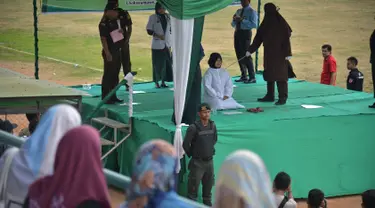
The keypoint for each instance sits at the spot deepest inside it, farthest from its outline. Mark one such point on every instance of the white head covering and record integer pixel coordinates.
(40, 148)
(244, 177)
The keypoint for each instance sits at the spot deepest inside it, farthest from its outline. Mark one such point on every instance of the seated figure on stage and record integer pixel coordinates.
(218, 86)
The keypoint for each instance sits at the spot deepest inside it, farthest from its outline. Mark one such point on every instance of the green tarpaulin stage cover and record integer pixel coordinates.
(327, 148)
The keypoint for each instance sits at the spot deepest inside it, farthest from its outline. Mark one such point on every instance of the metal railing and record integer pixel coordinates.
(113, 179)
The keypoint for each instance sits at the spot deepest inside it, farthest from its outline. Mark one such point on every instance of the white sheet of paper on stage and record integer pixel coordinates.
(171, 89)
(232, 112)
(139, 92)
(116, 35)
(312, 106)
(128, 104)
(234, 85)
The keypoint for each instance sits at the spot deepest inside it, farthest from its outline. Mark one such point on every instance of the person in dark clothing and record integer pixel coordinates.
(159, 27)
(126, 27)
(244, 20)
(355, 77)
(33, 119)
(198, 144)
(368, 199)
(111, 37)
(277, 50)
(316, 199)
(372, 61)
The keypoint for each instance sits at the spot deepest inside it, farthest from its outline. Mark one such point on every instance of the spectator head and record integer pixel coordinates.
(368, 199)
(7, 126)
(282, 182)
(32, 116)
(316, 199)
(351, 63)
(245, 3)
(326, 50)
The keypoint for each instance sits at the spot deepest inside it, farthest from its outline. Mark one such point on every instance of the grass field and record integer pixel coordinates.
(346, 24)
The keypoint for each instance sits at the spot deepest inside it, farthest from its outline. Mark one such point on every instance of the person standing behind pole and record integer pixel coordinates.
(372, 61)
(198, 144)
(277, 51)
(159, 27)
(111, 38)
(244, 20)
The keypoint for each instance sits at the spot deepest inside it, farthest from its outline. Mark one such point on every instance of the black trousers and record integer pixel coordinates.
(200, 170)
(282, 88)
(373, 76)
(111, 72)
(242, 40)
(125, 58)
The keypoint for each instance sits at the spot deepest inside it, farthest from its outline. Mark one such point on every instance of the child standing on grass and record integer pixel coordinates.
(355, 77)
(282, 191)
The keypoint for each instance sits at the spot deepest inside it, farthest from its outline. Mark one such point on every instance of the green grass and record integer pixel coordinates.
(74, 38)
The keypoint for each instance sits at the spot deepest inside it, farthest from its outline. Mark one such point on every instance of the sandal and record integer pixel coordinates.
(255, 110)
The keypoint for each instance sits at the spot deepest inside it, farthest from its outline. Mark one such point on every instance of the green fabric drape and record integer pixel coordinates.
(189, 9)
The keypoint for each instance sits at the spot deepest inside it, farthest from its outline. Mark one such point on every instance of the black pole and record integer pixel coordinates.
(258, 23)
(36, 52)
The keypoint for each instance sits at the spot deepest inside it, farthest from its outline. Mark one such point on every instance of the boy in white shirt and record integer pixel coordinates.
(282, 191)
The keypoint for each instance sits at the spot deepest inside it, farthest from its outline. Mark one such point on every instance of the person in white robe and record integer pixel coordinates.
(218, 86)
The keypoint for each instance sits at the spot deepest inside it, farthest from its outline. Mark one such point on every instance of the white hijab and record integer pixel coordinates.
(244, 182)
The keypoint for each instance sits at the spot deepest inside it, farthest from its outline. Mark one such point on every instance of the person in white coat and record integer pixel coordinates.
(218, 86)
(159, 27)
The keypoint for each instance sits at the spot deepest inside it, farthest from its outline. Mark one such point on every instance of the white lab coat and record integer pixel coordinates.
(154, 24)
(217, 83)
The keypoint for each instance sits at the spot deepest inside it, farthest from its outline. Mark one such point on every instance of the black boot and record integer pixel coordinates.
(270, 96)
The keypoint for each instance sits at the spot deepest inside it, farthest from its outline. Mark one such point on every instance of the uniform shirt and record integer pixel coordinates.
(289, 204)
(250, 18)
(192, 134)
(105, 28)
(154, 24)
(125, 19)
(329, 66)
(355, 80)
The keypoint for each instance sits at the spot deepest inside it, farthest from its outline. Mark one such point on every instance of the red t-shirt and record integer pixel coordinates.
(329, 66)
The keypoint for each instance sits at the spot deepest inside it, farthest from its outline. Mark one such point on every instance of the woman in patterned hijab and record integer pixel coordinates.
(244, 182)
(154, 178)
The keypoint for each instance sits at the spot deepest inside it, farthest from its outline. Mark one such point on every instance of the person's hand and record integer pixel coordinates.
(162, 37)
(121, 30)
(225, 97)
(108, 56)
(238, 19)
(248, 54)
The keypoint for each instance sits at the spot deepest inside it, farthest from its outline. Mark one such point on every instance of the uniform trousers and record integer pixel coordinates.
(242, 41)
(373, 76)
(110, 77)
(200, 170)
(282, 88)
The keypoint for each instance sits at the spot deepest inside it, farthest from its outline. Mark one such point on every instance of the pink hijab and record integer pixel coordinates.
(78, 174)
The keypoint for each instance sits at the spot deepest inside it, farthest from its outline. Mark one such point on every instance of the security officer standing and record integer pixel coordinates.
(126, 27)
(111, 38)
(355, 77)
(198, 144)
(244, 20)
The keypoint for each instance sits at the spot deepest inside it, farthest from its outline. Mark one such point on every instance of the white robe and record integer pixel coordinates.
(217, 83)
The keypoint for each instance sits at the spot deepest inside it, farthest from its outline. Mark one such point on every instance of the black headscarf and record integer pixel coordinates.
(162, 17)
(213, 58)
(273, 21)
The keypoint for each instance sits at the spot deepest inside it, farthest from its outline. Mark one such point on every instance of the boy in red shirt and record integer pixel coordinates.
(328, 76)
